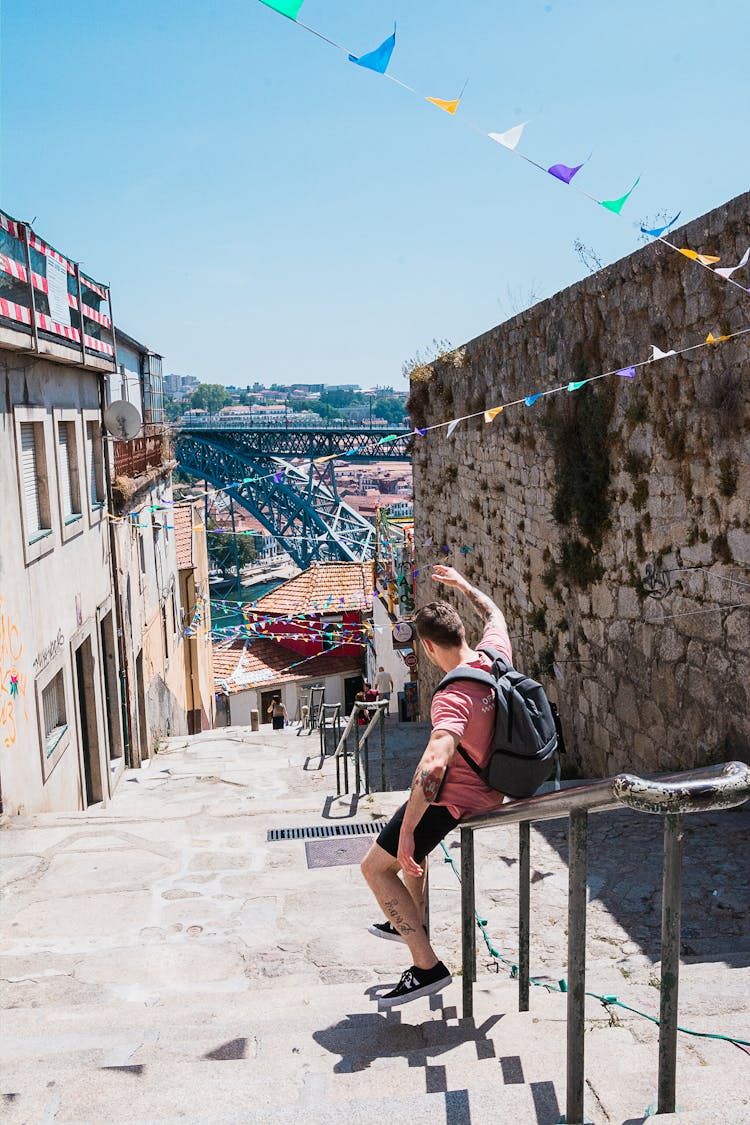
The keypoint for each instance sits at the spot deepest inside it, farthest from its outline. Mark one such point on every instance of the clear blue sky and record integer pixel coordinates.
(263, 209)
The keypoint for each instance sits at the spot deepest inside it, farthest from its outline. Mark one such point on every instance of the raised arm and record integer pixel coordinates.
(482, 603)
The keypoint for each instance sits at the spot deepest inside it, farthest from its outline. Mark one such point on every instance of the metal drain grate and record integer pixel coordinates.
(320, 831)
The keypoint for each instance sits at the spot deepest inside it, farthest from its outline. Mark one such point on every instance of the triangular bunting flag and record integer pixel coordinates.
(711, 339)
(627, 372)
(379, 58)
(531, 399)
(657, 353)
(449, 107)
(278, 477)
(575, 386)
(510, 138)
(289, 8)
(564, 172)
(657, 232)
(386, 440)
(490, 415)
(451, 426)
(616, 205)
(420, 432)
(727, 271)
(704, 259)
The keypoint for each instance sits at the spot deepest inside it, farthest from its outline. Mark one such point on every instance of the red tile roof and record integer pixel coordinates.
(183, 535)
(264, 664)
(328, 587)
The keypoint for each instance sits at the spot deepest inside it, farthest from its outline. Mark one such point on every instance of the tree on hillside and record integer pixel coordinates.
(389, 407)
(210, 397)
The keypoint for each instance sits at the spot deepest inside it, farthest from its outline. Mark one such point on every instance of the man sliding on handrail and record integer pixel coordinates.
(444, 788)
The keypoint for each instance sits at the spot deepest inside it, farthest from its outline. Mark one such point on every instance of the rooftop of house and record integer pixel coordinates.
(325, 587)
(262, 663)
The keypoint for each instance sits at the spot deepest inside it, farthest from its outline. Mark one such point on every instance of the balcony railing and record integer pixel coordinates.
(716, 787)
(149, 450)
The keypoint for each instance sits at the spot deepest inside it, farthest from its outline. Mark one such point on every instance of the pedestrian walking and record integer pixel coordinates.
(277, 711)
(444, 788)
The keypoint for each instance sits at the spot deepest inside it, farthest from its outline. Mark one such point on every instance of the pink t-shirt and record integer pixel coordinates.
(468, 711)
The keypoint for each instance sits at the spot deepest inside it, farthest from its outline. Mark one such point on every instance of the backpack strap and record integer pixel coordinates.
(476, 676)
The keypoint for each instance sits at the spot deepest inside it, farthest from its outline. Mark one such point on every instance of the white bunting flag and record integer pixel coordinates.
(451, 426)
(727, 271)
(659, 354)
(510, 138)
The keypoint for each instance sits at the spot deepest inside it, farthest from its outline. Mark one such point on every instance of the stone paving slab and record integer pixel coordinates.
(160, 960)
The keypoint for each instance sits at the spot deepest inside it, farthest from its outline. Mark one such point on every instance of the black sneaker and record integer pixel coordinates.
(385, 930)
(415, 983)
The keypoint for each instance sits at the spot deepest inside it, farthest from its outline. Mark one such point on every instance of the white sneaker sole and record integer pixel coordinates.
(373, 929)
(427, 990)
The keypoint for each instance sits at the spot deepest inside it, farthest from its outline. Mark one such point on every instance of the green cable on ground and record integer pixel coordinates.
(562, 985)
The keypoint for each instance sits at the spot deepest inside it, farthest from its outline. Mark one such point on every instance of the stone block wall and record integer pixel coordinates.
(574, 507)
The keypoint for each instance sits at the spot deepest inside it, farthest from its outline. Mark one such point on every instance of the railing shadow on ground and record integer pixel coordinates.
(626, 880)
(671, 796)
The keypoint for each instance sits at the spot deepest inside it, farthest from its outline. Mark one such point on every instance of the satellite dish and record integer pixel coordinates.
(122, 420)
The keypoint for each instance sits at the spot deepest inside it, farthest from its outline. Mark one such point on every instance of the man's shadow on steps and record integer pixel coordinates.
(361, 1038)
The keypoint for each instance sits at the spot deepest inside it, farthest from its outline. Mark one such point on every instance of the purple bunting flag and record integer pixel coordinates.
(563, 172)
(626, 372)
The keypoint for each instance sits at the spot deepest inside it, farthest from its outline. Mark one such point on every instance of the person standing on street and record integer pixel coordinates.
(444, 787)
(384, 684)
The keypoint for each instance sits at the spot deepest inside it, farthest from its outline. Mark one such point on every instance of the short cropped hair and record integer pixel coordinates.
(440, 623)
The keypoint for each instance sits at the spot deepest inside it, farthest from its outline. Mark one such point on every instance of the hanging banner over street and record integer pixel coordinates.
(57, 291)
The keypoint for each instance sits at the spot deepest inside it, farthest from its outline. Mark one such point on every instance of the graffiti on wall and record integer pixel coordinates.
(12, 679)
(46, 655)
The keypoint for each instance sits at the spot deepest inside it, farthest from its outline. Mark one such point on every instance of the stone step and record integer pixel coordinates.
(260, 1089)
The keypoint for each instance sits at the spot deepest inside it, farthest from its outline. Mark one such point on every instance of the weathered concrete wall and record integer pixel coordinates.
(55, 592)
(565, 503)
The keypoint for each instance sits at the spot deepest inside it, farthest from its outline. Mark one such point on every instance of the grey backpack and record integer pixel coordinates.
(525, 737)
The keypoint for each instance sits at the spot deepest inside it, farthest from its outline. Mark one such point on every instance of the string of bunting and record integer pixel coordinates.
(261, 676)
(489, 413)
(378, 60)
(562, 985)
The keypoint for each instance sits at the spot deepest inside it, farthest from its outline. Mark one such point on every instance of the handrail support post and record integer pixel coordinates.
(670, 961)
(468, 922)
(577, 855)
(524, 905)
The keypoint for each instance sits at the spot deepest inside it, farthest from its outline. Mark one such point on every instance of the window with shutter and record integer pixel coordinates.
(30, 479)
(66, 486)
(53, 712)
(93, 464)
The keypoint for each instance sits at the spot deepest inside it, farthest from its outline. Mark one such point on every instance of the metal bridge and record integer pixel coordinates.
(298, 503)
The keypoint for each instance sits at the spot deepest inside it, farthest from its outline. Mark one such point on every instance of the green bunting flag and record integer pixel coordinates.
(289, 8)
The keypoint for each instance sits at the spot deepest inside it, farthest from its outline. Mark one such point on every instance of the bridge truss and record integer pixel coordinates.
(298, 504)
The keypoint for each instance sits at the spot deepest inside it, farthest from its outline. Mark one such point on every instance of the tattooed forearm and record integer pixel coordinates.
(429, 779)
(484, 605)
(392, 909)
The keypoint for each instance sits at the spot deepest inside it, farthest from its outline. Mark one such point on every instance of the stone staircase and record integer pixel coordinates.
(163, 962)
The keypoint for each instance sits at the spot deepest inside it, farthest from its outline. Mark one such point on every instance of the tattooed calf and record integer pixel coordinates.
(402, 926)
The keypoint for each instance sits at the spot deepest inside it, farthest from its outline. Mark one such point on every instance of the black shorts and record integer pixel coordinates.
(432, 828)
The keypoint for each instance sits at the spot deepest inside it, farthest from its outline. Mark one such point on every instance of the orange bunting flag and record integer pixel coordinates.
(449, 107)
(490, 415)
(704, 259)
(711, 339)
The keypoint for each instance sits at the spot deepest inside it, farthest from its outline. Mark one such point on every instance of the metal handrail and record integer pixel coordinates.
(380, 706)
(670, 795)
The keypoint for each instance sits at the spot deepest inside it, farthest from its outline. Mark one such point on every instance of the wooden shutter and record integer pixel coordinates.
(29, 479)
(66, 485)
(91, 462)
